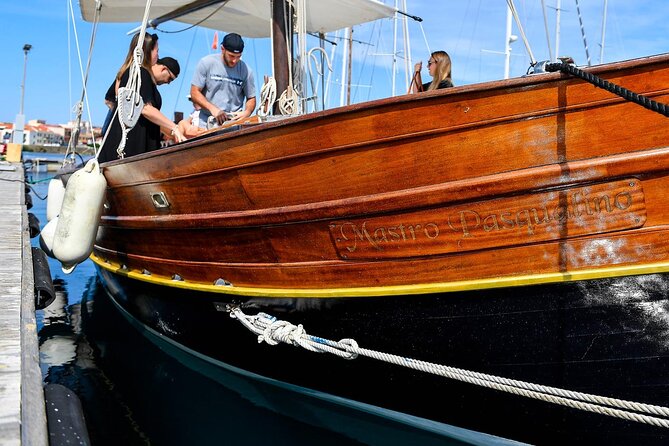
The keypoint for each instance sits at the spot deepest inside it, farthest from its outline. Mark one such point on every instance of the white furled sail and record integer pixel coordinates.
(250, 18)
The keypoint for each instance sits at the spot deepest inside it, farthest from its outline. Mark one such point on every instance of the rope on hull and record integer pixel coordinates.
(274, 332)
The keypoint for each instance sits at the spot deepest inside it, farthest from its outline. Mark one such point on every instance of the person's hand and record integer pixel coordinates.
(218, 114)
(221, 117)
(177, 135)
(418, 67)
(238, 115)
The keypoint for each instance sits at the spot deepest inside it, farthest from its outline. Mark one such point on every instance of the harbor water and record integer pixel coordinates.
(134, 393)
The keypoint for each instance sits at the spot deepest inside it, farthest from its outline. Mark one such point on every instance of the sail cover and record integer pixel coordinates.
(250, 18)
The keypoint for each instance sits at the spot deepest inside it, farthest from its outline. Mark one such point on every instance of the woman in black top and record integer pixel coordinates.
(145, 135)
(151, 43)
(439, 66)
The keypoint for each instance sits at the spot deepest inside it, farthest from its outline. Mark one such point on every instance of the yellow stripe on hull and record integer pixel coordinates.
(428, 288)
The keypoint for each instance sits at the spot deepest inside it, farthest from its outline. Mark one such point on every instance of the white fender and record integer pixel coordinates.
(54, 199)
(46, 236)
(79, 216)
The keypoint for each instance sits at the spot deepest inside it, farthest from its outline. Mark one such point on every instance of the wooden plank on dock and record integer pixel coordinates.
(22, 415)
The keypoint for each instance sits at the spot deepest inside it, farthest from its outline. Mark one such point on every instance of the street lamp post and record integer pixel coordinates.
(20, 122)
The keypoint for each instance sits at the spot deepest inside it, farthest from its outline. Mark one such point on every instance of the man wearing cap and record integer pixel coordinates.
(222, 82)
(165, 70)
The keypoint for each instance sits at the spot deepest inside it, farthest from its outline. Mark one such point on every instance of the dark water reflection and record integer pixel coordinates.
(134, 393)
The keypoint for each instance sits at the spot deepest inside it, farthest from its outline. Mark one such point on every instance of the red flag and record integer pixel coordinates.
(214, 44)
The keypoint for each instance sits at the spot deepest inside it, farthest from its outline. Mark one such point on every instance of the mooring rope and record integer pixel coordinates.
(597, 81)
(273, 332)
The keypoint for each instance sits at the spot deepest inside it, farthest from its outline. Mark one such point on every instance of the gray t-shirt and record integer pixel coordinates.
(223, 86)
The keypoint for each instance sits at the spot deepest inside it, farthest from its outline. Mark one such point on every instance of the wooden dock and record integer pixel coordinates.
(22, 411)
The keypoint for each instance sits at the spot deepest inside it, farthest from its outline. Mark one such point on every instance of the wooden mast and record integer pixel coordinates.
(281, 46)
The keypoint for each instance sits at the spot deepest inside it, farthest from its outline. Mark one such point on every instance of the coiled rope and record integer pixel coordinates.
(289, 101)
(273, 332)
(267, 97)
(129, 101)
(624, 93)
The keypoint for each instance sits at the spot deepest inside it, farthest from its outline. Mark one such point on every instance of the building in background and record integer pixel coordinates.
(38, 132)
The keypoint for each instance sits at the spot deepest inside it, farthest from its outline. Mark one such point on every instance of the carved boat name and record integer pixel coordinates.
(531, 218)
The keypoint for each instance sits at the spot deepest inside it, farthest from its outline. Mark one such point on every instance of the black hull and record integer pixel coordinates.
(607, 337)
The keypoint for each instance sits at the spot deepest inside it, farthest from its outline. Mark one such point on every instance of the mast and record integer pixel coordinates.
(601, 46)
(349, 69)
(507, 43)
(407, 47)
(281, 45)
(557, 30)
(344, 64)
(394, 49)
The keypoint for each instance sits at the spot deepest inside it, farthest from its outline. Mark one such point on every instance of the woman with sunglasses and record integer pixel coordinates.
(439, 67)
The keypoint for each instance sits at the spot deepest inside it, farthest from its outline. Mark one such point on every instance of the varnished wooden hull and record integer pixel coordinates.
(529, 180)
(605, 337)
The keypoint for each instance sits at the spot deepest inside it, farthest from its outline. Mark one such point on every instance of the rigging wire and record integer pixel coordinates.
(69, 61)
(364, 61)
(371, 76)
(183, 78)
(548, 38)
(512, 6)
(585, 42)
(84, 77)
(471, 38)
(427, 45)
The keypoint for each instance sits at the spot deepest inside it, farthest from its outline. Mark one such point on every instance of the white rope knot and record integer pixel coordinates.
(350, 346)
(281, 331)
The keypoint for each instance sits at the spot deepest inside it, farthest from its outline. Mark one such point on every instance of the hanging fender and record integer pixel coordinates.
(46, 237)
(79, 216)
(54, 199)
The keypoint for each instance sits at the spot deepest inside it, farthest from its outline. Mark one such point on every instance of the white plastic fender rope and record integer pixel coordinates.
(273, 332)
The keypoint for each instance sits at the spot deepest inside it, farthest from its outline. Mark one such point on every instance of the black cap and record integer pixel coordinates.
(233, 42)
(171, 64)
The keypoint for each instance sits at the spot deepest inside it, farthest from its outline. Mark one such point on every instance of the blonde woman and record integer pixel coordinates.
(439, 67)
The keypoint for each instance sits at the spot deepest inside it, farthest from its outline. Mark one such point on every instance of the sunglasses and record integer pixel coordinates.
(172, 76)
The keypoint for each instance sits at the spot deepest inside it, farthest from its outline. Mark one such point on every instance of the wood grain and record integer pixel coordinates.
(262, 206)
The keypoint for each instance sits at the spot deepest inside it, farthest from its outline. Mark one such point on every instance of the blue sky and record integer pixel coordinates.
(471, 31)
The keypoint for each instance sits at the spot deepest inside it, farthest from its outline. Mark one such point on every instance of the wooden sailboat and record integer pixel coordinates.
(516, 227)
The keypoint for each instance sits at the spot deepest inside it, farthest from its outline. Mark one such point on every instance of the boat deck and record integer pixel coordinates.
(22, 412)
